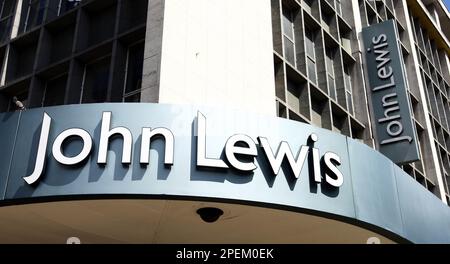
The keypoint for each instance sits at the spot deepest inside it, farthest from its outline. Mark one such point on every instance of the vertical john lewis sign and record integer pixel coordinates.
(395, 133)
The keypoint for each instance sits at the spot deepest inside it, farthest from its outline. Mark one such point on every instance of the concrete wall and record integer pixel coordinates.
(152, 53)
(218, 53)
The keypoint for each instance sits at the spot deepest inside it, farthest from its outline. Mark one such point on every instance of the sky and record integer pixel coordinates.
(447, 4)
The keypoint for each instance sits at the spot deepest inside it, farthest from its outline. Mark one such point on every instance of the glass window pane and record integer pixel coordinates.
(35, 13)
(287, 23)
(309, 43)
(348, 83)
(54, 91)
(327, 19)
(5, 26)
(311, 66)
(289, 52)
(66, 5)
(338, 7)
(349, 102)
(96, 81)
(8, 8)
(332, 87)
(329, 62)
(347, 79)
(134, 67)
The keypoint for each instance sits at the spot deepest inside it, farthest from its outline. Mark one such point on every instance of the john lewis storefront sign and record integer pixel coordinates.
(157, 151)
(240, 150)
(392, 119)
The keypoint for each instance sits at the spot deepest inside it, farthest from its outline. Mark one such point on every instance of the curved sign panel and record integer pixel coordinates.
(187, 151)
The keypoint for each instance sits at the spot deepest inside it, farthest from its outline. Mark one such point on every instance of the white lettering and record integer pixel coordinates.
(240, 150)
(231, 150)
(379, 38)
(385, 86)
(394, 132)
(381, 56)
(42, 149)
(284, 151)
(397, 139)
(73, 132)
(338, 179)
(316, 165)
(202, 160)
(385, 72)
(147, 135)
(105, 135)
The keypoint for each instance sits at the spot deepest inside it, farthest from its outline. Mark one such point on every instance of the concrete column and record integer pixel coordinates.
(152, 53)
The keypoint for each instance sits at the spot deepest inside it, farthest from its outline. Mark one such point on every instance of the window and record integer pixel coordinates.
(289, 52)
(6, 8)
(66, 5)
(288, 35)
(5, 26)
(6, 15)
(329, 60)
(311, 66)
(288, 26)
(133, 73)
(54, 91)
(35, 14)
(95, 81)
(348, 97)
(438, 60)
(309, 43)
(317, 108)
(419, 34)
(338, 7)
(327, 19)
(310, 56)
(331, 87)
(308, 5)
(348, 89)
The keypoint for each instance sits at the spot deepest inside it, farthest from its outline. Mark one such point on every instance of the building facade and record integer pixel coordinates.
(328, 73)
(302, 60)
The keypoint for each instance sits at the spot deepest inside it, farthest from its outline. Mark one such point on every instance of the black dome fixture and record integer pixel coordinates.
(210, 214)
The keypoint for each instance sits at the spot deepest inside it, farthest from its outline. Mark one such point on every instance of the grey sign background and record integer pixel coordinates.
(375, 194)
(403, 151)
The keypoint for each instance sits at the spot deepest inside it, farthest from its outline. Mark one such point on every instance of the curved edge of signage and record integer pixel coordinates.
(321, 173)
(85, 197)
